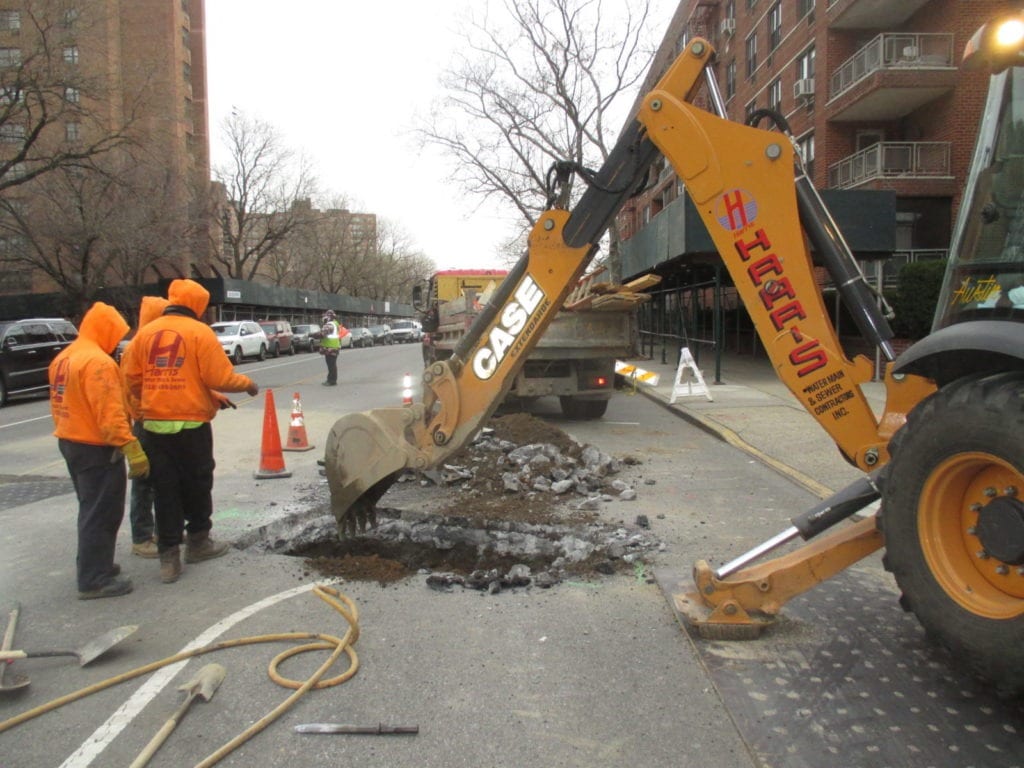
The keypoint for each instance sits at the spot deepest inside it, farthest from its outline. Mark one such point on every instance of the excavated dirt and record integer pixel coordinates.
(494, 521)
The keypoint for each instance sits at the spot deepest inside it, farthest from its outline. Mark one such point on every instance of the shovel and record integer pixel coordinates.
(10, 682)
(86, 654)
(204, 684)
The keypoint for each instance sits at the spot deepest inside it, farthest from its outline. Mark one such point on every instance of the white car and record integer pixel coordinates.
(404, 331)
(240, 339)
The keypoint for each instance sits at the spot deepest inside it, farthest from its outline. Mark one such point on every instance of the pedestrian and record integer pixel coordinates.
(140, 498)
(330, 345)
(173, 367)
(92, 428)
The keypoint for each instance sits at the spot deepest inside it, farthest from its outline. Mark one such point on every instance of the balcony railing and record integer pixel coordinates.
(893, 51)
(889, 160)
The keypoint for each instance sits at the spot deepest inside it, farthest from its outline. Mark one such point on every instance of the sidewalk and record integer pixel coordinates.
(752, 409)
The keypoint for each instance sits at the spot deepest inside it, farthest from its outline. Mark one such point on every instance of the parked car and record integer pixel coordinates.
(241, 339)
(406, 331)
(361, 337)
(26, 349)
(279, 337)
(381, 334)
(306, 336)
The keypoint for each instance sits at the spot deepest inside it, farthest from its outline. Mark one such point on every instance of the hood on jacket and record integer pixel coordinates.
(189, 294)
(152, 307)
(103, 325)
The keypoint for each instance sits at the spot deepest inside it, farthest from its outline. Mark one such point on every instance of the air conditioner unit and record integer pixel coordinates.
(804, 89)
(728, 27)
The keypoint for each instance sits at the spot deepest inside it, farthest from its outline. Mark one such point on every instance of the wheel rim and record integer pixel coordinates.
(947, 515)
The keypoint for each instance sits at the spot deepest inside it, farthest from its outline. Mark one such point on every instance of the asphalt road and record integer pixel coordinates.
(592, 673)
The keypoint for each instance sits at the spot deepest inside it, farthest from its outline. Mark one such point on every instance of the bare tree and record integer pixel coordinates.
(537, 84)
(268, 192)
(398, 266)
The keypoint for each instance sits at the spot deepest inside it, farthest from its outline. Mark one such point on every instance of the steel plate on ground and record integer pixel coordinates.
(847, 678)
(16, 490)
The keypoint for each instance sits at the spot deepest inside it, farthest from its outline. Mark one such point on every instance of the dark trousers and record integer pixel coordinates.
(331, 358)
(140, 502)
(100, 481)
(181, 473)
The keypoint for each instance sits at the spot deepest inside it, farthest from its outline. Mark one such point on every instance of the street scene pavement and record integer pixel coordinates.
(594, 671)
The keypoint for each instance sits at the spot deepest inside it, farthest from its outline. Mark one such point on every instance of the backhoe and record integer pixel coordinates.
(946, 457)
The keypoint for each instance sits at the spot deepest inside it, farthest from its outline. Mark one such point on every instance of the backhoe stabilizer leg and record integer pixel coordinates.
(741, 606)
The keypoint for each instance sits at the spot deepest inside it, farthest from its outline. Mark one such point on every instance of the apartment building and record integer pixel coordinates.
(124, 83)
(872, 91)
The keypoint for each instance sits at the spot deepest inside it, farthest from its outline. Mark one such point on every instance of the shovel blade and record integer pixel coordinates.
(206, 682)
(364, 454)
(100, 645)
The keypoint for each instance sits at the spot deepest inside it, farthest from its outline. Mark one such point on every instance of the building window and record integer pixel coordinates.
(12, 134)
(749, 109)
(186, 38)
(11, 94)
(805, 145)
(10, 21)
(730, 79)
(775, 95)
(751, 4)
(72, 95)
(72, 131)
(805, 64)
(751, 55)
(70, 17)
(186, 71)
(804, 7)
(774, 27)
(10, 57)
(730, 9)
(71, 54)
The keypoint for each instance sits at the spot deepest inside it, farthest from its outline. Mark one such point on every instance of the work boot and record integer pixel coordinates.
(113, 588)
(170, 565)
(145, 549)
(202, 547)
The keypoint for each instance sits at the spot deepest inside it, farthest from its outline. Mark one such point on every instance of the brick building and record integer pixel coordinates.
(872, 91)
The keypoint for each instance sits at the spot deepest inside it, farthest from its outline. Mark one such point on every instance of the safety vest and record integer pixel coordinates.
(330, 339)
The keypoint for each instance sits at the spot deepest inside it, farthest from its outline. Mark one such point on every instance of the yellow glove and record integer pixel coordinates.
(138, 462)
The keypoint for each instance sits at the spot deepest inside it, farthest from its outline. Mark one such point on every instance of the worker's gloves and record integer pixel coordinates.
(222, 401)
(138, 462)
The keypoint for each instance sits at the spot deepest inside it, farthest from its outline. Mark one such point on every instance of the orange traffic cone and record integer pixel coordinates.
(297, 440)
(407, 390)
(271, 458)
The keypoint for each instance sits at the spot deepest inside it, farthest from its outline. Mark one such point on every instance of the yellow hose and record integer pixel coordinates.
(341, 603)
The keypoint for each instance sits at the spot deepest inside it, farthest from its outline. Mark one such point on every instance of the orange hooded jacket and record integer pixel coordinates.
(86, 393)
(150, 309)
(175, 362)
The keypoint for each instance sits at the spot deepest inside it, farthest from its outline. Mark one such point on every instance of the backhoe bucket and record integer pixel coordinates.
(364, 454)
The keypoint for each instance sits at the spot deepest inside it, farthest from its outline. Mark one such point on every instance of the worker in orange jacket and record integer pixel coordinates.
(91, 425)
(173, 367)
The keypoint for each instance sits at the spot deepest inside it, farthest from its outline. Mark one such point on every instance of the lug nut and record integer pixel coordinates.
(982, 554)
(990, 491)
(1002, 570)
(1010, 490)
(975, 507)
(972, 531)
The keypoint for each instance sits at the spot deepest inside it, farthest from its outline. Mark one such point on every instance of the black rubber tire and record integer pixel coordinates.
(959, 436)
(3, 392)
(276, 352)
(237, 356)
(291, 350)
(580, 410)
(263, 353)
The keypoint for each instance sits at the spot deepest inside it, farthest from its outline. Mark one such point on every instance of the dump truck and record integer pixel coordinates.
(574, 360)
(946, 457)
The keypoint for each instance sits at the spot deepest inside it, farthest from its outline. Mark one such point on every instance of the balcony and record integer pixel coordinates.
(891, 76)
(871, 14)
(892, 160)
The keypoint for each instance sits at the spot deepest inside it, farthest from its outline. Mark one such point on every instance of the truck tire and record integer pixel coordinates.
(953, 522)
(579, 409)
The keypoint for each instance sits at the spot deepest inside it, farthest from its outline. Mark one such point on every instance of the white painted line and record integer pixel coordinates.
(47, 417)
(117, 722)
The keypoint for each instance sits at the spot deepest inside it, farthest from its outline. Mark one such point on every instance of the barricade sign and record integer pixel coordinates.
(688, 381)
(636, 375)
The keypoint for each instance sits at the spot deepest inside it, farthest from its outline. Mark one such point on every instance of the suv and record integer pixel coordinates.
(381, 334)
(27, 348)
(403, 331)
(241, 339)
(279, 336)
(306, 336)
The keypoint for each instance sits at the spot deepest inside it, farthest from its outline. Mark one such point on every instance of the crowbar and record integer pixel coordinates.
(204, 685)
(376, 730)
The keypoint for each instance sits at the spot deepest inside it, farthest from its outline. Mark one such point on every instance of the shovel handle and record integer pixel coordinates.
(6, 655)
(12, 622)
(161, 736)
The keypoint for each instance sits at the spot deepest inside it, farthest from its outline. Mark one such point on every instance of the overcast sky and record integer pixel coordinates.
(343, 82)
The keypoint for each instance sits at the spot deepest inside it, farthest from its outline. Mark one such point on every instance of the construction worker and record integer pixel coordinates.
(140, 499)
(91, 425)
(330, 345)
(172, 368)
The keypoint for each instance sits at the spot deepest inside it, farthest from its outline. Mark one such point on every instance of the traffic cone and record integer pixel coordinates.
(296, 440)
(407, 390)
(271, 458)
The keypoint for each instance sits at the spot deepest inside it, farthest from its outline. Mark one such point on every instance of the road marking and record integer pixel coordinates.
(117, 722)
(47, 417)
